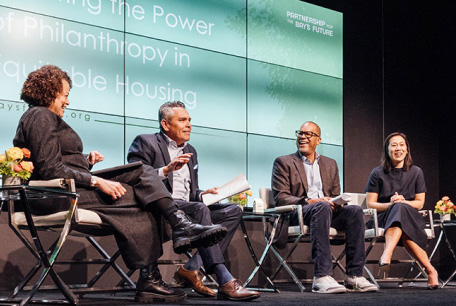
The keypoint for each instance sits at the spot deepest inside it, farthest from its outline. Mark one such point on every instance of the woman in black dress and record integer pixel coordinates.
(397, 190)
(132, 200)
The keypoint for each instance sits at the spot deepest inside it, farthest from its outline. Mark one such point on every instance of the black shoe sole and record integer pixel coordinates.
(205, 239)
(148, 297)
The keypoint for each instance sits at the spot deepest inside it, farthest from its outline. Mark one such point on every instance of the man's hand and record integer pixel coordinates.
(324, 199)
(114, 189)
(177, 163)
(95, 157)
(212, 190)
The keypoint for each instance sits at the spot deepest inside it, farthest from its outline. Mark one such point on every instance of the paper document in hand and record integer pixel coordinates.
(236, 185)
(341, 199)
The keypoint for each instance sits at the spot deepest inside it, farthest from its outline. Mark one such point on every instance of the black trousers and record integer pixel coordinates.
(350, 219)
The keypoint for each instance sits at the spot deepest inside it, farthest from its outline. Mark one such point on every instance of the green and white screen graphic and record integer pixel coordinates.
(250, 72)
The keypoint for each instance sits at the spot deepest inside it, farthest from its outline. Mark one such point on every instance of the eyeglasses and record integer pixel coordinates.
(306, 134)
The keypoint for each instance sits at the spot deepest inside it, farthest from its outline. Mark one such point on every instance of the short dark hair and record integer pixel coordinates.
(166, 111)
(386, 159)
(42, 86)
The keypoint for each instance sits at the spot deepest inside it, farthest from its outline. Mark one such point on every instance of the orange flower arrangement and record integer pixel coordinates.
(12, 163)
(445, 206)
(240, 198)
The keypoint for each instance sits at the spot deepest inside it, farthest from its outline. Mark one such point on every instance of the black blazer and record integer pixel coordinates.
(152, 149)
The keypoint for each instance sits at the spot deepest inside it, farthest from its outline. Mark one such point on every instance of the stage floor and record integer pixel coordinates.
(389, 294)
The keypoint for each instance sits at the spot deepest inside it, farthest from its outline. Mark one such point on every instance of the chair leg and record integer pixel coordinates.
(282, 260)
(110, 263)
(289, 270)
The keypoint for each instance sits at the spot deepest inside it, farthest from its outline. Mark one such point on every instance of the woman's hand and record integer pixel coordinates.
(95, 157)
(114, 189)
(397, 198)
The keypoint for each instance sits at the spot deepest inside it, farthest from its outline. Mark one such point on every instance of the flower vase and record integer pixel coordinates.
(445, 217)
(8, 180)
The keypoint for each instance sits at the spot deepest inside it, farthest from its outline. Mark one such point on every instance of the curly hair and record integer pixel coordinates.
(42, 86)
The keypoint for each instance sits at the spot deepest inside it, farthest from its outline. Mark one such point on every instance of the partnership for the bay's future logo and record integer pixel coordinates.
(310, 24)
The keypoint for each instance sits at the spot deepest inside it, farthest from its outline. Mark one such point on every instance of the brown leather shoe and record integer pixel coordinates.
(194, 280)
(234, 291)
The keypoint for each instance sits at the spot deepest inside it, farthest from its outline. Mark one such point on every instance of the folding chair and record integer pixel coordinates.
(376, 235)
(75, 222)
(301, 233)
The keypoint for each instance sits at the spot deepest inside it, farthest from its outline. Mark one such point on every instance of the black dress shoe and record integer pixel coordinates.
(188, 234)
(150, 288)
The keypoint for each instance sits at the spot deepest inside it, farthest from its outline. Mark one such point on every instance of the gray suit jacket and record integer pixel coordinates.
(289, 185)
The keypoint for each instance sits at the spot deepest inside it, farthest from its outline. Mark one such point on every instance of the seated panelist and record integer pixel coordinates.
(311, 180)
(175, 161)
(397, 190)
(129, 202)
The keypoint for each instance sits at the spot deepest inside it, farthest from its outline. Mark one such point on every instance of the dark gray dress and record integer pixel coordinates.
(406, 183)
(57, 152)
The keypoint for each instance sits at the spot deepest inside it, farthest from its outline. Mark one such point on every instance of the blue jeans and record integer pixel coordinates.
(350, 219)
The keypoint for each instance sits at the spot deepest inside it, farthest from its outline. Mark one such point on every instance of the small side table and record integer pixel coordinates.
(444, 226)
(264, 217)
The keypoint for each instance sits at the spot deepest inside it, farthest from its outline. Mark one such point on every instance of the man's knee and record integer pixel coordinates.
(322, 208)
(235, 210)
(199, 212)
(355, 210)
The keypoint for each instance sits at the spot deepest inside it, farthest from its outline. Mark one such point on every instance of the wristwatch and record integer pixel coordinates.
(93, 181)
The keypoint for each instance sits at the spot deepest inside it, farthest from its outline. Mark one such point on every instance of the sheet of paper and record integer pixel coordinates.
(341, 199)
(236, 185)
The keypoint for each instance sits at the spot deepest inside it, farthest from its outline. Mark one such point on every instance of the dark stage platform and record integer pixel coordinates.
(389, 294)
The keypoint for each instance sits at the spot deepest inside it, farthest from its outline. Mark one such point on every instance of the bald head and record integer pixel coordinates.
(308, 139)
(306, 127)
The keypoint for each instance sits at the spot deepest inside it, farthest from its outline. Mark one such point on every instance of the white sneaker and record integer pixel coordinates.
(327, 284)
(359, 284)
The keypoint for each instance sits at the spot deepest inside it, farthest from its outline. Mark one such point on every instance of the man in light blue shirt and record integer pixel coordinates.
(310, 179)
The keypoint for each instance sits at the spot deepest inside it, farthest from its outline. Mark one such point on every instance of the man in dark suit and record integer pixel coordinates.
(176, 162)
(311, 180)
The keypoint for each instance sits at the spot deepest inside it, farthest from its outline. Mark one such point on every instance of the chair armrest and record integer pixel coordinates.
(282, 209)
(369, 211)
(427, 214)
(55, 183)
(59, 183)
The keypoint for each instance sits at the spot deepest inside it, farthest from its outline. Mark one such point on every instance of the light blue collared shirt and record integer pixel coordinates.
(313, 176)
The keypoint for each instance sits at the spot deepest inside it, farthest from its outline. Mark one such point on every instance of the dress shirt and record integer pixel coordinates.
(313, 176)
(181, 177)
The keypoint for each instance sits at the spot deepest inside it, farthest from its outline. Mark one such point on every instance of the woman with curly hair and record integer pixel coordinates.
(131, 200)
(397, 190)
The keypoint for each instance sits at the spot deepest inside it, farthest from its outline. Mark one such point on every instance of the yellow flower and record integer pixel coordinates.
(249, 193)
(15, 153)
(27, 166)
(2, 158)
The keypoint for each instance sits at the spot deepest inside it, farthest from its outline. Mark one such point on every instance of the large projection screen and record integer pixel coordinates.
(250, 73)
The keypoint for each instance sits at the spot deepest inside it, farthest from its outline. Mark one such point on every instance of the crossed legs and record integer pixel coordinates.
(392, 237)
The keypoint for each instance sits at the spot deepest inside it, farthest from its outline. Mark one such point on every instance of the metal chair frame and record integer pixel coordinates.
(47, 258)
(301, 234)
